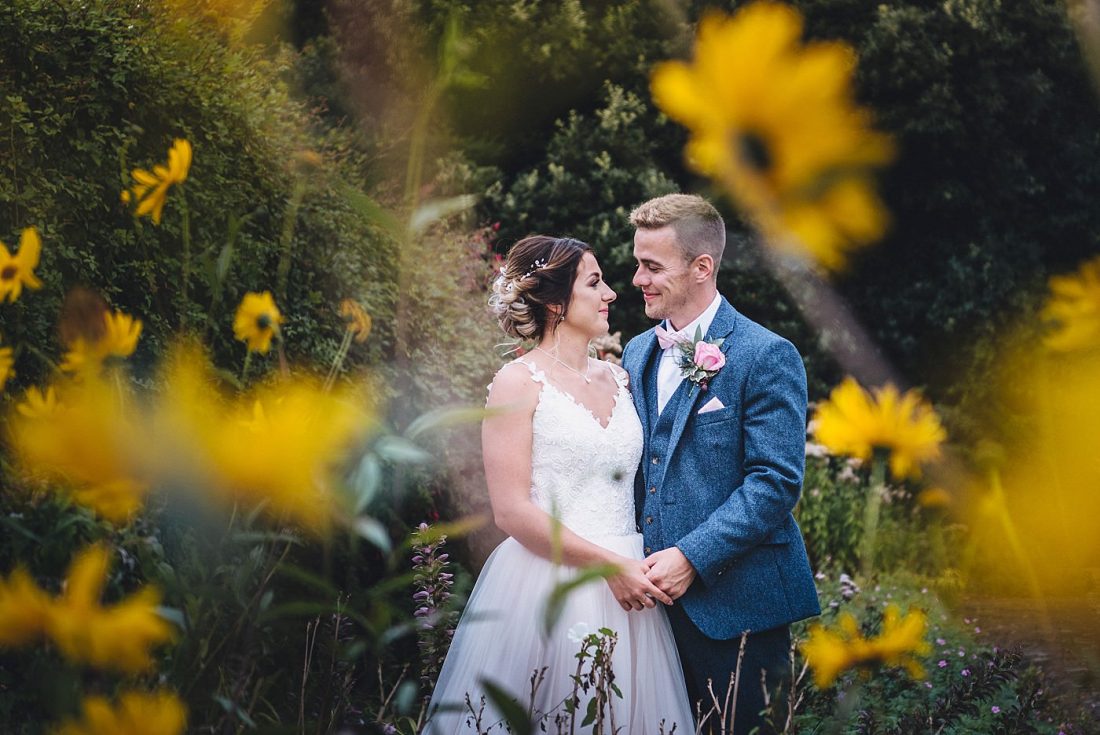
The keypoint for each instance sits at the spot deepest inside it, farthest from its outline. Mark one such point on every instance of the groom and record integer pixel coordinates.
(722, 466)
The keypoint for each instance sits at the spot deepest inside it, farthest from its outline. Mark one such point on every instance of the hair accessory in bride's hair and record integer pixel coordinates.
(535, 266)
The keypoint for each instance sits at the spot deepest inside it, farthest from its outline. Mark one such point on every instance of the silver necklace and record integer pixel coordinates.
(569, 367)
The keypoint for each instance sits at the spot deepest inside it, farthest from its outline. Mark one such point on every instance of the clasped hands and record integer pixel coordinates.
(661, 577)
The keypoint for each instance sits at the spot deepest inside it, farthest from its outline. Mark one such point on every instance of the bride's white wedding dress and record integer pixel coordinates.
(582, 472)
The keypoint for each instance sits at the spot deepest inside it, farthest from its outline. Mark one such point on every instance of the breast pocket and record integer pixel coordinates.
(713, 417)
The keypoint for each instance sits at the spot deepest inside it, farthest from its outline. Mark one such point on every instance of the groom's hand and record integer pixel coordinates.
(633, 589)
(670, 570)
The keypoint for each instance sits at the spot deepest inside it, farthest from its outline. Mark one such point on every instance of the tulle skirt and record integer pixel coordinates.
(500, 638)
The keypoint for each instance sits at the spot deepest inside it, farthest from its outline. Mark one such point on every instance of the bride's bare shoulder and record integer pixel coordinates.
(514, 383)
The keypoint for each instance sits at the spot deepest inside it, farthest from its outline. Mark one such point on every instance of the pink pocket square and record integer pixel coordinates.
(712, 405)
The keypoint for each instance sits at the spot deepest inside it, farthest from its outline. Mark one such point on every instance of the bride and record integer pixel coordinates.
(564, 443)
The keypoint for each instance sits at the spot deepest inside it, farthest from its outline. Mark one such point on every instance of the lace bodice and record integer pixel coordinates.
(581, 471)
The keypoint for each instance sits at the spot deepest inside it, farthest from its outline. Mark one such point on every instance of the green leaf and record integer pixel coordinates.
(443, 418)
(372, 211)
(590, 715)
(400, 450)
(555, 601)
(308, 578)
(454, 529)
(370, 529)
(435, 210)
(173, 615)
(20, 528)
(365, 481)
(406, 697)
(234, 709)
(518, 721)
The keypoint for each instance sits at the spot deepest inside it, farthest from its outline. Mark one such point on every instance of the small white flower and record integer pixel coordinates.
(578, 632)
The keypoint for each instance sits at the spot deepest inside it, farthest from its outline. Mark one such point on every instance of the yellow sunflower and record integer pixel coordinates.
(38, 405)
(1073, 310)
(24, 608)
(118, 338)
(359, 321)
(93, 444)
(150, 189)
(775, 121)
(18, 271)
(855, 423)
(137, 713)
(7, 365)
(283, 446)
(118, 637)
(831, 652)
(257, 321)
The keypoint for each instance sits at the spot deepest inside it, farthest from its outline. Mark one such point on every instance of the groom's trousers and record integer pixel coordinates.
(706, 660)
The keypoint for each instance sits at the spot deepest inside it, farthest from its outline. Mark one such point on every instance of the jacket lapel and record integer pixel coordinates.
(723, 326)
(637, 371)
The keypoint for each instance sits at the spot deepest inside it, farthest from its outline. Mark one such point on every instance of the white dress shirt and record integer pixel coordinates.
(668, 370)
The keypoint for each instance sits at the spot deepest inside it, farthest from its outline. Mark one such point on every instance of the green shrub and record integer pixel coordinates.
(94, 89)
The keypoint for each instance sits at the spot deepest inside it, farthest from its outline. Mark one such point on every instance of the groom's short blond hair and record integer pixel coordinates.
(698, 226)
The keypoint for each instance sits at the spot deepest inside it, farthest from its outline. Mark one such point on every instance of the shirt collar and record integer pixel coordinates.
(702, 321)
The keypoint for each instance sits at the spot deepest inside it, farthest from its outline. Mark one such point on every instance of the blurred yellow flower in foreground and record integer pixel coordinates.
(853, 422)
(117, 637)
(1073, 309)
(359, 321)
(282, 445)
(150, 189)
(137, 713)
(18, 271)
(832, 652)
(118, 339)
(934, 497)
(91, 443)
(24, 608)
(1036, 517)
(775, 121)
(7, 364)
(38, 405)
(257, 321)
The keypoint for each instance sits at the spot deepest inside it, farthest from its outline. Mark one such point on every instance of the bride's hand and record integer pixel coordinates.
(631, 587)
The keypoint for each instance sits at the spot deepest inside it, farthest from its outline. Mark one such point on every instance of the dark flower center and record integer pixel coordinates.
(9, 272)
(754, 151)
(264, 321)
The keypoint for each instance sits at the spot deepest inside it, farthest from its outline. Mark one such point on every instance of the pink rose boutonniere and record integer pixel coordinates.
(699, 359)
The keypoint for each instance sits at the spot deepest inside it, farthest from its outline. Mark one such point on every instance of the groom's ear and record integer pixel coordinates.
(702, 268)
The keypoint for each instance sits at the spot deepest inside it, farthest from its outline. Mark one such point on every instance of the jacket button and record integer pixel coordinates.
(654, 460)
(648, 550)
(652, 490)
(649, 519)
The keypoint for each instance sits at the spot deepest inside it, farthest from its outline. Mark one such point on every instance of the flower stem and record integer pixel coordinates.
(244, 370)
(338, 361)
(872, 511)
(186, 232)
(286, 240)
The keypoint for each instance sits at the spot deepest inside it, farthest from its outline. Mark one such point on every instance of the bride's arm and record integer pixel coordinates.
(506, 449)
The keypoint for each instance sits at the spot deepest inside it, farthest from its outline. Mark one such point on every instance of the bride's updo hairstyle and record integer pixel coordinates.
(538, 274)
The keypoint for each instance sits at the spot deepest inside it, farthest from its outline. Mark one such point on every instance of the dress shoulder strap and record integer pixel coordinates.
(620, 375)
(536, 374)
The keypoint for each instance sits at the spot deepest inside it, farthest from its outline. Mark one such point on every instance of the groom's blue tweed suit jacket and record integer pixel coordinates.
(721, 485)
